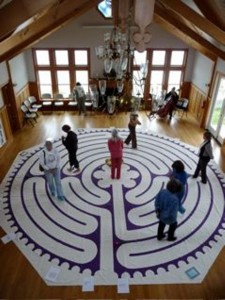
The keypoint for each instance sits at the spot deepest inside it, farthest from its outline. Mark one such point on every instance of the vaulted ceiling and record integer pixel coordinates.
(200, 24)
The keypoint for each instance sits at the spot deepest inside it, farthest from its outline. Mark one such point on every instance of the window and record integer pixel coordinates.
(58, 70)
(81, 57)
(158, 58)
(177, 58)
(167, 69)
(156, 82)
(42, 57)
(63, 82)
(174, 80)
(61, 57)
(82, 77)
(139, 58)
(45, 82)
(105, 9)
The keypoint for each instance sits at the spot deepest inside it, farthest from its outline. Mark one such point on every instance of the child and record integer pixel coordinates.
(132, 127)
(180, 174)
(115, 145)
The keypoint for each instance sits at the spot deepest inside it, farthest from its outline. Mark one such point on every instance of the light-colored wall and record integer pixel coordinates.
(19, 74)
(88, 31)
(202, 71)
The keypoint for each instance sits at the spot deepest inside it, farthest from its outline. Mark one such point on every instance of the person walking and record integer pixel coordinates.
(205, 154)
(50, 162)
(115, 145)
(71, 144)
(132, 128)
(167, 206)
(79, 94)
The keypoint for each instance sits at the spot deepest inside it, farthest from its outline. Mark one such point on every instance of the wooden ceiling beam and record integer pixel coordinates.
(19, 11)
(183, 32)
(199, 21)
(211, 11)
(56, 18)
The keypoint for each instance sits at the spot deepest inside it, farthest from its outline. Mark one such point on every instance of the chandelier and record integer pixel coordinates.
(117, 52)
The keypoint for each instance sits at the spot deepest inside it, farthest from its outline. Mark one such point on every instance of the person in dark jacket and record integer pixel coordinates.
(179, 173)
(167, 206)
(71, 144)
(205, 154)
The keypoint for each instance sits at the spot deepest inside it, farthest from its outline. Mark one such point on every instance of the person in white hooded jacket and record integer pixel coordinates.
(50, 161)
(79, 94)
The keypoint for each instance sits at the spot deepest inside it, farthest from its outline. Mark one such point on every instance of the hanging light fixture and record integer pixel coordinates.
(118, 51)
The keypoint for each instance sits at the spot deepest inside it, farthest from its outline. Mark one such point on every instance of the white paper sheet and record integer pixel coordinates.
(123, 286)
(8, 237)
(88, 284)
(52, 274)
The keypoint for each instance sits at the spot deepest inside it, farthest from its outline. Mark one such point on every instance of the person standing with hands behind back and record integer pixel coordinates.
(115, 145)
(205, 154)
(71, 144)
(132, 128)
(50, 161)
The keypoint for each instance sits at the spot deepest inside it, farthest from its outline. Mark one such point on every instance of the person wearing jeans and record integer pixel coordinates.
(50, 161)
(167, 206)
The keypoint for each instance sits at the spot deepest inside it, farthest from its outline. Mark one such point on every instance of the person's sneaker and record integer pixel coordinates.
(53, 194)
(172, 239)
(194, 176)
(70, 169)
(61, 198)
(203, 182)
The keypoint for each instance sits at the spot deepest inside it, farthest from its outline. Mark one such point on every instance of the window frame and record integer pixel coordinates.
(53, 67)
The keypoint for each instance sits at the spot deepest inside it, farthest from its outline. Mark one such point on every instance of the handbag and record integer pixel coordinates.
(40, 166)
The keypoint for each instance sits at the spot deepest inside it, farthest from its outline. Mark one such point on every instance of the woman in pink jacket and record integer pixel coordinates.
(115, 145)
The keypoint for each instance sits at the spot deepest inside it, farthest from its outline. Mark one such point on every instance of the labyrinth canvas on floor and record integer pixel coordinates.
(106, 229)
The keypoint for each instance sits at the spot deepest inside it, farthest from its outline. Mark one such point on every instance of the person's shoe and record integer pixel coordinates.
(172, 239)
(70, 169)
(112, 177)
(159, 238)
(61, 198)
(194, 176)
(203, 182)
(76, 170)
(53, 194)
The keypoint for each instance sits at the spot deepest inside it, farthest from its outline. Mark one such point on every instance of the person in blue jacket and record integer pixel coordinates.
(167, 206)
(179, 173)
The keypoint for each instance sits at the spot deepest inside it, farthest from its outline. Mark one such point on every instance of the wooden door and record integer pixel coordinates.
(10, 103)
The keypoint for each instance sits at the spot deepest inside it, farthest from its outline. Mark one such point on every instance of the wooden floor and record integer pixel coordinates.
(18, 279)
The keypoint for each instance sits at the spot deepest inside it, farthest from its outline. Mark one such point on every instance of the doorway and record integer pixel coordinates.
(216, 123)
(10, 103)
